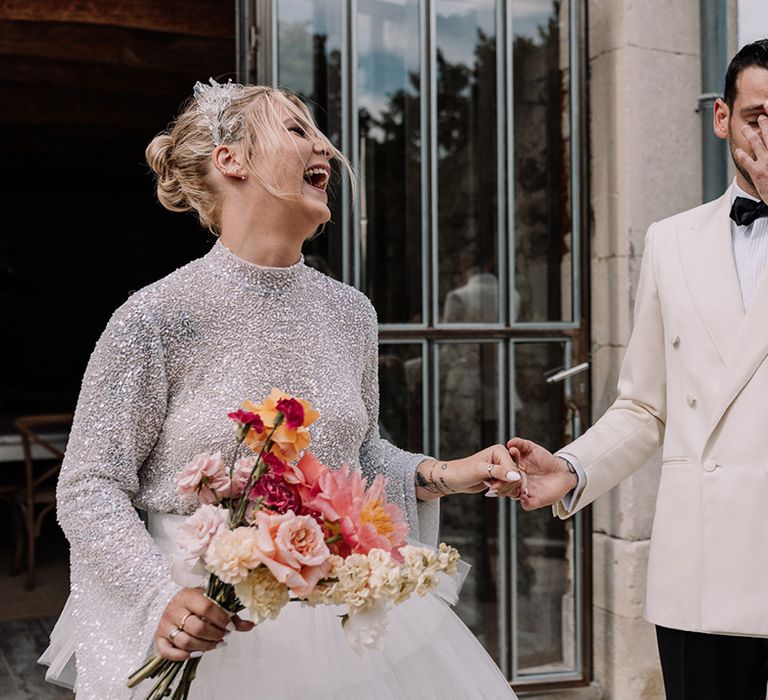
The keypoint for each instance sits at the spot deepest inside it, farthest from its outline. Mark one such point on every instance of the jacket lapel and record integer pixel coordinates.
(749, 350)
(706, 253)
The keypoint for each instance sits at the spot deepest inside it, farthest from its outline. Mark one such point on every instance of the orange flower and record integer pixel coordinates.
(289, 438)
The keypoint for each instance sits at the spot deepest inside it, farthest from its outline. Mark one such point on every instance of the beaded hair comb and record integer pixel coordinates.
(213, 100)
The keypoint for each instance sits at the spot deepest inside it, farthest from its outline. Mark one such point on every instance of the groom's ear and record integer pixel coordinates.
(721, 116)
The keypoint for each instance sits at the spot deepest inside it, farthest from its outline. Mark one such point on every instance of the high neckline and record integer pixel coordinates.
(268, 280)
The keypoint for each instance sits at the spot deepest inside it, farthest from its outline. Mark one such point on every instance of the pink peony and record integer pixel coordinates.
(276, 493)
(197, 532)
(199, 474)
(293, 548)
(293, 412)
(364, 517)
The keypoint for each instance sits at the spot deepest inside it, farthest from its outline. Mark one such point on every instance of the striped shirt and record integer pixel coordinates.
(750, 249)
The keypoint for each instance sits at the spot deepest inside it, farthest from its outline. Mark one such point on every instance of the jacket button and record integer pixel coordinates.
(676, 341)
(691, 400)
(710, 465)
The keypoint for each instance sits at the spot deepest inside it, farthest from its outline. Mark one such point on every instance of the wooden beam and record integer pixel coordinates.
(209, 18)
(164, 53)
(90, 77)
(28, 104)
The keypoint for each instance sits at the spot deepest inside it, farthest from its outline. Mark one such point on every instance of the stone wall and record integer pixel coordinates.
(645, 165)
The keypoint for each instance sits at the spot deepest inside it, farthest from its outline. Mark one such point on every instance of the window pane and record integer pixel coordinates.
(542, 211)
(467, 157)
(309, 63)
(545, 623)
(400, 387)
(390, 135)
(467, 421)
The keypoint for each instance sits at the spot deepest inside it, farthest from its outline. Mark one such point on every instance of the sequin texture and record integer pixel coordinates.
(172, 362)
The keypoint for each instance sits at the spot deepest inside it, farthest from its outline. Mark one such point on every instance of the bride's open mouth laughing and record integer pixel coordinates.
(317, 177)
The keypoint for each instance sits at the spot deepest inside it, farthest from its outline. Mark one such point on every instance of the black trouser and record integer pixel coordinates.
(700, 666)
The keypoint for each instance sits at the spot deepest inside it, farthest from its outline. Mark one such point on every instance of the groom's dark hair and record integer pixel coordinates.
(754, 54)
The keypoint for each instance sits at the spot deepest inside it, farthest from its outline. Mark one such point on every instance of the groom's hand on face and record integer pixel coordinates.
(756, 163)
(549, 478)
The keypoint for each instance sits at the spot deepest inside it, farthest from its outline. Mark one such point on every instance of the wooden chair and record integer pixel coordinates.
(38, 497)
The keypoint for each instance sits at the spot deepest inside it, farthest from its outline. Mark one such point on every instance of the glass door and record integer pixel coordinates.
(463, 121)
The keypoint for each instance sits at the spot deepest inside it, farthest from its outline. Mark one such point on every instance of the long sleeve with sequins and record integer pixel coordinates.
(118, 574)
(378, 455)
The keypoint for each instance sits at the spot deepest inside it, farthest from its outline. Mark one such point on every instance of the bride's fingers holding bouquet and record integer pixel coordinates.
(192, 624)
(491, 469)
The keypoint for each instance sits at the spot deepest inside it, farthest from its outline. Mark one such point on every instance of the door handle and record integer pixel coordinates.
(564, 374)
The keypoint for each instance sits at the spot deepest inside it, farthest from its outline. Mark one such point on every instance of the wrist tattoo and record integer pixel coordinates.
(439, 487)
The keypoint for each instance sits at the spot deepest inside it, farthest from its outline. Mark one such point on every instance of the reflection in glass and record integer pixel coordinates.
(541, 139)
(467, 153)
(468, 420)
(309, 63)
(400, 395)
(545, 621)
(390, 140)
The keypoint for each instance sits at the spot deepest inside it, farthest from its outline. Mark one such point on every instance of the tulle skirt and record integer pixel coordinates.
(428, 653)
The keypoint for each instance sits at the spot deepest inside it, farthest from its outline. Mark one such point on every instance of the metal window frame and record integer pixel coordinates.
(257, 56)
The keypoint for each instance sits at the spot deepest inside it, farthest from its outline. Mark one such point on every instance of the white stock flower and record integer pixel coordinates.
(366, 628)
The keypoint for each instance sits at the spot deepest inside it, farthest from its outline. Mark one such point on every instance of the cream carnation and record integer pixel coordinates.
(233, 554)
(262, 594)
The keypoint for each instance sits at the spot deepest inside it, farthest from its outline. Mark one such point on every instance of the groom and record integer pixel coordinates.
(695, 382)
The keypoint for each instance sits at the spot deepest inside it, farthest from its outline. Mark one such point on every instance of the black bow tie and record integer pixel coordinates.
(744, 211)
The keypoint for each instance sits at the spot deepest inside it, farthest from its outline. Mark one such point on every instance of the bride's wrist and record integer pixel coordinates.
(433, 480)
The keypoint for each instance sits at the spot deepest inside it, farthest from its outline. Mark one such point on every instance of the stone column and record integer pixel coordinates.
(645, 165)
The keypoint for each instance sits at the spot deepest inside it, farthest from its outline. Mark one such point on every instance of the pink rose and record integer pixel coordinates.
(276, 494)
(197, 476)
(293, 548)
(197, 532)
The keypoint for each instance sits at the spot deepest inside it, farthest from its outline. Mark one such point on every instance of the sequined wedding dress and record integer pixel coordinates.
(173, 360)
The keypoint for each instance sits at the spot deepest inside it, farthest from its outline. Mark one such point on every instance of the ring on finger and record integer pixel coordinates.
(172, 634)
(184, 619)
(490, 468)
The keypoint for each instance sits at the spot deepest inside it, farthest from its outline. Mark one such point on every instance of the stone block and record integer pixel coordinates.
(607, 26)
(661, 25)
(626, 511)
(618, 572)
(626, 657)
(611, 301)
(609, 154)
(664, 156)
(606, 363)
(594, 691)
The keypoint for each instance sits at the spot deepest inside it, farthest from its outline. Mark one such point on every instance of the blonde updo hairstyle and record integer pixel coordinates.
(254, 118)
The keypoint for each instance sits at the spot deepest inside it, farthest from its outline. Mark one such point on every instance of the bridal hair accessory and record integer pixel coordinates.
(213, 100)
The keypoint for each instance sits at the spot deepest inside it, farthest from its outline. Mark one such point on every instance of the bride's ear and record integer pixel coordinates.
(226, 160)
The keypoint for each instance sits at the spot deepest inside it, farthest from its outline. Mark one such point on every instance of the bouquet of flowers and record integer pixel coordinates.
(277, 526)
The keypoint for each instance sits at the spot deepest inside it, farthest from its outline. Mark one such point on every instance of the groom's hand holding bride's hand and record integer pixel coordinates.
(492, 468)
(549, 478)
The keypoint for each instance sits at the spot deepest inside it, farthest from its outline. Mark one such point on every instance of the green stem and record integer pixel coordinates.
(256, 473)
(149, 669)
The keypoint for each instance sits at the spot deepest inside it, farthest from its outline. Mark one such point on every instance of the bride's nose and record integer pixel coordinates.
(320, 148)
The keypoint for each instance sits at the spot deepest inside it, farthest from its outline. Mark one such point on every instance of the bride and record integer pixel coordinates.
(180, 354)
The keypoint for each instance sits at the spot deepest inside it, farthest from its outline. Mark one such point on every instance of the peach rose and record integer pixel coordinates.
(293, 548)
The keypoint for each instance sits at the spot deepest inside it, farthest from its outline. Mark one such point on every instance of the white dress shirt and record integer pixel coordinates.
(750, 252)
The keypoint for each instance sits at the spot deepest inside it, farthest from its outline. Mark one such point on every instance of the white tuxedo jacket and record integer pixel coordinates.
(695, 380)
